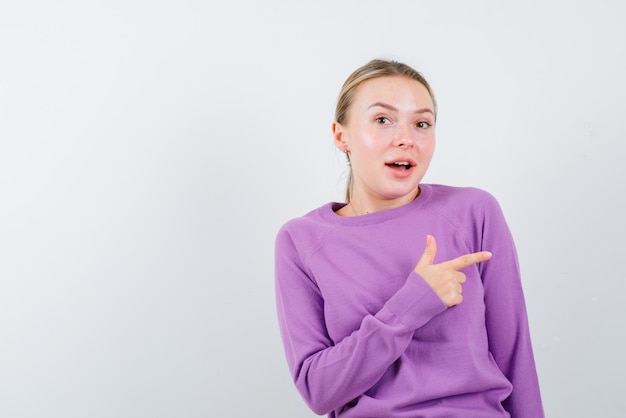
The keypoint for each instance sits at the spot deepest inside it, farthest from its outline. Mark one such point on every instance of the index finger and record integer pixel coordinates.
(467, 260)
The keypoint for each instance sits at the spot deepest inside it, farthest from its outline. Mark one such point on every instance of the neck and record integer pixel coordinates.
(360, 206)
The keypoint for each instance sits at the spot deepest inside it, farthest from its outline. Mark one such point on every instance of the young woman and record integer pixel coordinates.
(405, 301)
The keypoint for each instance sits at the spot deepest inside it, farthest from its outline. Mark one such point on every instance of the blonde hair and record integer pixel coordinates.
(373, 69)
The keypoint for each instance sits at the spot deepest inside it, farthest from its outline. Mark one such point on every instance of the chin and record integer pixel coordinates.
(398, 194)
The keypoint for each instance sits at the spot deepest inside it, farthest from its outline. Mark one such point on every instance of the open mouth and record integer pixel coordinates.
(400, 165)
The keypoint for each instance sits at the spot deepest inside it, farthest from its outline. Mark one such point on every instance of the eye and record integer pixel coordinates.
(423, 125)
(382, 120)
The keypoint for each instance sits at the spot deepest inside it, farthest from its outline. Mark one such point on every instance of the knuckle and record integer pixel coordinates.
(468, 260)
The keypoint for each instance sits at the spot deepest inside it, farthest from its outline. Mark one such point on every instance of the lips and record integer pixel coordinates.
(401, 164)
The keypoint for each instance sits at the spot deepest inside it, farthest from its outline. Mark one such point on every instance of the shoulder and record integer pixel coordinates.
(307, 230)
(462, 199)
(308, 220)
(467, 208)
(446, 193)
(472, 211)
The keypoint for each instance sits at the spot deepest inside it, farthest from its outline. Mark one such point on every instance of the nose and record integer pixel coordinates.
(403, 137)
(404, 142)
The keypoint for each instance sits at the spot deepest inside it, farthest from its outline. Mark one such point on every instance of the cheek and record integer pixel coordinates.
(371, 145)
(427, 148)
(432, 147)
(368, 139)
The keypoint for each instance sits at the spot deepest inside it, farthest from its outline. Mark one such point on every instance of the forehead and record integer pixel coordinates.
(399, 91)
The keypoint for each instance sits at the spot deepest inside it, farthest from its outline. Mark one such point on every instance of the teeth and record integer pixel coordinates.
(402, 163)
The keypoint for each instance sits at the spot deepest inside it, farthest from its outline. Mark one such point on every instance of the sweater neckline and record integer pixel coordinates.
(328, 211)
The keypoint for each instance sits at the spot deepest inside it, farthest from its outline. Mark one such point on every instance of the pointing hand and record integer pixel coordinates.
(445, 278)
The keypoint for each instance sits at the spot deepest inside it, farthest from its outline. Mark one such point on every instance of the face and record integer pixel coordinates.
(390, 137)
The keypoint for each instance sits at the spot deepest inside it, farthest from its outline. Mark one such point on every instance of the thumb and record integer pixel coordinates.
(428, 256)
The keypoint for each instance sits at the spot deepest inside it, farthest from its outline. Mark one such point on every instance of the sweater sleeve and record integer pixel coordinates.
(506, 317)
(330, 374)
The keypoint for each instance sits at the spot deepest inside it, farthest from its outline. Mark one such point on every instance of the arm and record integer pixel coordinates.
(506, 318)
(330, 374)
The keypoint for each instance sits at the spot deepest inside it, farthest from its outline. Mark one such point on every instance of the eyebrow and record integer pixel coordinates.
(392, 108)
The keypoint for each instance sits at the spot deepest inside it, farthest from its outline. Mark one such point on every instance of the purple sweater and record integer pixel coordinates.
(366, 336)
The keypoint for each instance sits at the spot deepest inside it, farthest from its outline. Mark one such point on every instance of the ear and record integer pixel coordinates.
(340, 137)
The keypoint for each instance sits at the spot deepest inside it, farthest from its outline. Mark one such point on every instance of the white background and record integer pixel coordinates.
(150, 150)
